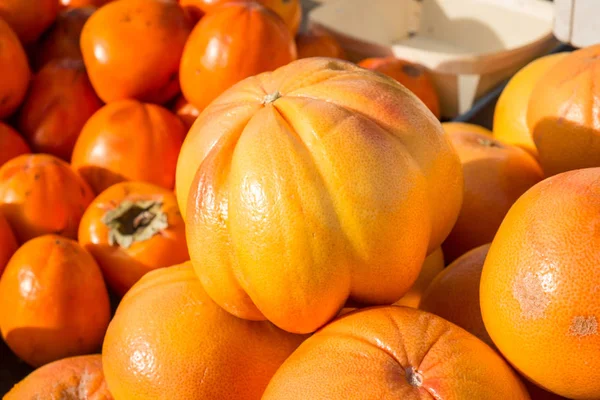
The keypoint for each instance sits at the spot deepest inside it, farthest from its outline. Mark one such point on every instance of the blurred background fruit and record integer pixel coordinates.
(59, 102)
(415, 77)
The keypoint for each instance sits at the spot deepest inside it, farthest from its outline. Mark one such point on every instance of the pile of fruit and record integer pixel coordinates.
(198, 200)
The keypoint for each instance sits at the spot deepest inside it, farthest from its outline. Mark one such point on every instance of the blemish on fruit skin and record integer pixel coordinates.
(582, 326)
(531, 290)
(414, 377)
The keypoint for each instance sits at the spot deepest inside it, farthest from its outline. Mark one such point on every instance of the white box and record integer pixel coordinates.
(577, 22)
(469, 45)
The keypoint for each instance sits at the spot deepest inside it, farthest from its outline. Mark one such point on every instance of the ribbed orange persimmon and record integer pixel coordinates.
(563, 113)
(433, 265)
(496, 175)
(59, 103)
(235, 41)
(510, 114)
(53, 301)
(315, 184)
(62, 39)
(539, 281)
(394, 353)
(29, 18)
(41, 194)
(415, 77)
(11, 143)
(129, 140)
(132, 228)
(169, 340)
(8, 243)
(15, 70)
(132, 49)
(75, 378)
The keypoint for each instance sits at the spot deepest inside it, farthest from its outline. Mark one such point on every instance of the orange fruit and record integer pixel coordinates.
(496, 174)
(11, 143)
(169, 340)
(186, 111)
(73, 378)
(415, 77)
(15, 70)
(454, 293)
(563, 113)
(8, 243)
(41, 194)
(510, 114)
(53, 301)
(328, 169)
(132, 228)
(394, 353)
(317, 42)
(433, 265)
(539, 282)
(29, 18)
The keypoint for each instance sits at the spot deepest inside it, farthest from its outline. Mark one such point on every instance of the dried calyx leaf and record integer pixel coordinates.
(132, 222)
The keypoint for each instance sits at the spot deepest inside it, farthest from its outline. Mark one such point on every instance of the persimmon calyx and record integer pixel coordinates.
(134, 221)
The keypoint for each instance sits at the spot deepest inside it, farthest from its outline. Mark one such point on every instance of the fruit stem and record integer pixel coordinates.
(271, 97)
(132, 222)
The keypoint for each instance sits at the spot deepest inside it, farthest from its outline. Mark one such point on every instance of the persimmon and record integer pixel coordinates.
(311, 186)
(538, 284)
(62, 39)
(41, 194)
(8, 243)
(132, 228)
(394, 353)
(432, 266)
(290, 11)
(15, 70)
(129, 140)
(228, 45)
(132, 49)
(510, 114)
(496, 174)
(562, 114)
(169, 340)
(186, 111)
(53, 301)
(414, 76)
(58, 104)
(11, 143)
(29, 19)
(79, 376)
(317, 42)
(74, 4)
